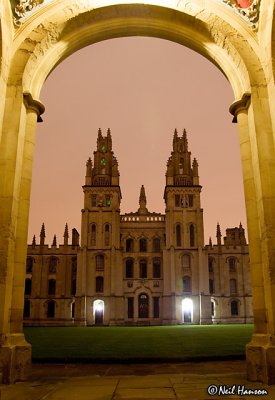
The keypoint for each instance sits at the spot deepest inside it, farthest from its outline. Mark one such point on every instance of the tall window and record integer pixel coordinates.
(186, 263)
(99, 261)
(156, 268)
(211, 286)
(73, 276)
(108, 200)
(27, 309)
(93, 234)
(177, 200)
(94, 200)
(156, 245)
(107, 235)
(129, 268)
(178, 235)
(28, 286)
(130, 307)
(53, 265)
(212, 309)
(190, 200)
(142, 245)
(233, 286)
(186, 280)
(51, 309)
(210, 264)
(156, 307)
(129, 245)
(51, 286)
(29, 265)
(234, 307)
(99, 284)
(143, 269)
(192, 235)
(72, 310)
(232, 264)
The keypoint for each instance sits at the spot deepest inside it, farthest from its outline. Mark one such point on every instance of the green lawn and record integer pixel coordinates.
(136, 344)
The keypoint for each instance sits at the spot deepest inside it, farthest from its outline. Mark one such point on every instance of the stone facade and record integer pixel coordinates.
(140, 268)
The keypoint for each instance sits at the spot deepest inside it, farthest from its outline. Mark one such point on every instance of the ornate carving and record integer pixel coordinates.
(25, 6)
(249, 9)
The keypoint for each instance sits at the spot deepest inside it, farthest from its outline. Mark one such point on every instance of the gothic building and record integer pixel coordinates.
(139, 268)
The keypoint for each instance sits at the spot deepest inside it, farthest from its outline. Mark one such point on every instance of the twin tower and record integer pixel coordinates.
(140, 268)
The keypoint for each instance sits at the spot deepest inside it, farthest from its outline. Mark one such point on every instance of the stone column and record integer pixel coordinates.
(15, 179)
(258, 155)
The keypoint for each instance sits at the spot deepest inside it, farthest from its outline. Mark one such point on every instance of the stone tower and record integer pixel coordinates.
(184, 233)
(99, 272)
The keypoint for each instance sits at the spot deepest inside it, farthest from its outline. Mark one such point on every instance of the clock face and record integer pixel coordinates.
(103, 148)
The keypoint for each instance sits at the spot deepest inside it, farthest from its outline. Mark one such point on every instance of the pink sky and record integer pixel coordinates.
(142, 89)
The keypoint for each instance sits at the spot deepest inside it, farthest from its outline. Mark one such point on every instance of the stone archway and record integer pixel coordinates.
(58, 29)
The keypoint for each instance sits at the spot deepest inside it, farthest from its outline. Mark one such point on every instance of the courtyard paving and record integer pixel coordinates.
(181, 381)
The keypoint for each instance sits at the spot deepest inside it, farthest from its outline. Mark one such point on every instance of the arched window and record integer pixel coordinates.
(178, 235)
(233, 286)
(192, 235)
(129, 268)
(143, 269)
(156, 268)
(232, 264)
(186, 261)
(212, 309)
(107, 235)
(234, 307)
(156, 245)
(50, 309)
(28, 286)
(142, 245)
(186, 280)
(51, 286)
(53, 265)
(72, 310)
(27, 309)
(210, 264)
(29, 265)
(129, 245)
(211, 286)
(143, 306)
(99, 261)
(99, 284)
(93, 234)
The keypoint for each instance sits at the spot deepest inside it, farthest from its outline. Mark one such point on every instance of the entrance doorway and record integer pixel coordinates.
(187, 311)
(98, 312)
(143, 306)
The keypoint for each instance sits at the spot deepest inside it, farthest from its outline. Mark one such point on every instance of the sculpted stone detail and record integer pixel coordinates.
(25, 6)
(249, 9)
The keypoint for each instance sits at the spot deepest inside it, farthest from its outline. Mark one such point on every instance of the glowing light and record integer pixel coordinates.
(187, 305)
(98, 305)
(187, 310)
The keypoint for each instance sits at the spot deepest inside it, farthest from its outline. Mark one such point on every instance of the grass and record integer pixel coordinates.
(138, 344)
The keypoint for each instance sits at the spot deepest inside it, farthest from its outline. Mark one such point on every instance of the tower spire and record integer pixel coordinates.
(42, 235)
(54, 241)
(219, 236)
(33, 241)
(142, 201)
(66, 235)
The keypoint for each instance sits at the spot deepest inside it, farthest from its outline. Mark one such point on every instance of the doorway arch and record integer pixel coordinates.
(57, 30)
